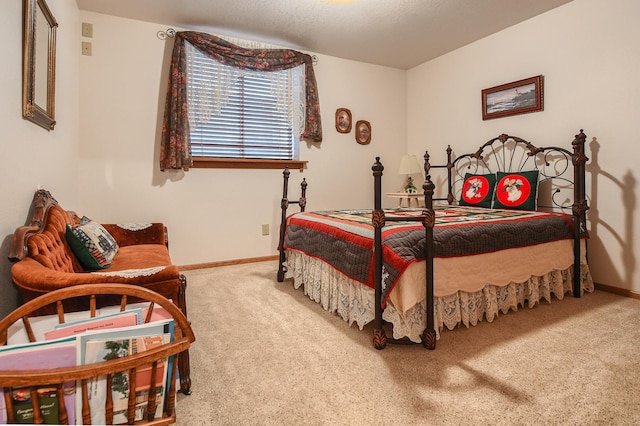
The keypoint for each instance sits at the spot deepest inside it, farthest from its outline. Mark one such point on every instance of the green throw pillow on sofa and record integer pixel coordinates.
(94, 247)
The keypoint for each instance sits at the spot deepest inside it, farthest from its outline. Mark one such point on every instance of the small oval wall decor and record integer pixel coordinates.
(363, 132)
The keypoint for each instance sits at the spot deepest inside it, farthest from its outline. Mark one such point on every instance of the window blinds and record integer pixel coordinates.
(239, 113)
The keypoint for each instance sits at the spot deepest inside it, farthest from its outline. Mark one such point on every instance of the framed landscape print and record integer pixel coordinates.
(519, 97)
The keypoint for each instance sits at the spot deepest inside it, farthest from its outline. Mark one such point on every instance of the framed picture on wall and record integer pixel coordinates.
(518, 97)
(343, 120)
(363, 132)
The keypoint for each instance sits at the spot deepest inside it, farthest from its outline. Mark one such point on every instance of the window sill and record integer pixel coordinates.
(238, 163)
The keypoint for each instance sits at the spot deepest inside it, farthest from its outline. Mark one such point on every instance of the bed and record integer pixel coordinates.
(508, 231)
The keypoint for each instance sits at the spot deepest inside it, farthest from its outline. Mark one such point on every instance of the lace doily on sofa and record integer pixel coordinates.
(134, 226)
(354, 302)
(132, 273)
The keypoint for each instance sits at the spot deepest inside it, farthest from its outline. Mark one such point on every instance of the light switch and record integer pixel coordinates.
(87, 29)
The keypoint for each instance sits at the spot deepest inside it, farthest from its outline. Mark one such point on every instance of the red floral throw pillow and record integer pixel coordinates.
(477, 190)
(516, 190)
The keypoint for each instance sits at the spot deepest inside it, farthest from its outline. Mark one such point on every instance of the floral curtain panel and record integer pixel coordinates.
(175, 152)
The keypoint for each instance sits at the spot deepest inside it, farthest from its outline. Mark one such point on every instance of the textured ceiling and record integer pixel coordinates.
(395, 33)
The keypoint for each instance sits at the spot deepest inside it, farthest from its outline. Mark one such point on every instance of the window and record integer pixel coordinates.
(214, 96)
(239, 115)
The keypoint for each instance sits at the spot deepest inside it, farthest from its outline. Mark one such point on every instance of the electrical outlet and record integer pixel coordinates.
(265, 229)
(87, 29)
(86, 48)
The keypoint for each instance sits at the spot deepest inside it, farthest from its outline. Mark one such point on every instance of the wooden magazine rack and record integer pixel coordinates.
(32, 379)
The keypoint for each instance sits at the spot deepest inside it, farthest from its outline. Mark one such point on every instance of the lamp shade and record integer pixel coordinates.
(409, 165)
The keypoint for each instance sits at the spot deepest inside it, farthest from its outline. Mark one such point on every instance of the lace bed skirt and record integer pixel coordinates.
(354, 302)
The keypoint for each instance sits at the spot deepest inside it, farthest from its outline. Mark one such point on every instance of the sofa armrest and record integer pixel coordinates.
(131, 234)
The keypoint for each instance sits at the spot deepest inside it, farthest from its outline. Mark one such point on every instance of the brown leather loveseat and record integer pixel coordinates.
(45, 261)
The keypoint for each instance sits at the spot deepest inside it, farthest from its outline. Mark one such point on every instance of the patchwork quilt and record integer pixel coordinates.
(344, 238)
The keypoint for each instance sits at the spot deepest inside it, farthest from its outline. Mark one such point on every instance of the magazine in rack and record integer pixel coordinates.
(114, 340)
(119, 319)
(99, 350)
(52, 354)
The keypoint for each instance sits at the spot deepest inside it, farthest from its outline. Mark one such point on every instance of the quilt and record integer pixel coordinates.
(344, 238)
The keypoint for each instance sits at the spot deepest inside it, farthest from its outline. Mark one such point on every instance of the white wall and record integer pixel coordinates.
(587, 51)
(216, 214)
(101, 160)
(32, 156)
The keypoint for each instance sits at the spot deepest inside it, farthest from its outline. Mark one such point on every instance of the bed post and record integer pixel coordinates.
(449, 172)
(429, 221)
(378, 221)
(579, 207)
(284, 204)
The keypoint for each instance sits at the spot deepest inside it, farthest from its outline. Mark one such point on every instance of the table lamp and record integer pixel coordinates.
(409, 166)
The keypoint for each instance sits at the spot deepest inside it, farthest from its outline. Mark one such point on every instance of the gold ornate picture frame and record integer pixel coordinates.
(39, 64)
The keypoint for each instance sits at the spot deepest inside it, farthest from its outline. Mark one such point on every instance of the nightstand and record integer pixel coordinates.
(411, 198)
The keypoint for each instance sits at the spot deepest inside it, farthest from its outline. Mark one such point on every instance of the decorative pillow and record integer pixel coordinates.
(94, 247)
(516, 190)
(477, 190)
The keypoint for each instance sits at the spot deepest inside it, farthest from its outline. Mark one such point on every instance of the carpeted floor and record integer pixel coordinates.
(266, 354)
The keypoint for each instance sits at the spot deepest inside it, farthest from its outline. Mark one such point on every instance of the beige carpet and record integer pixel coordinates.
(266, 354)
